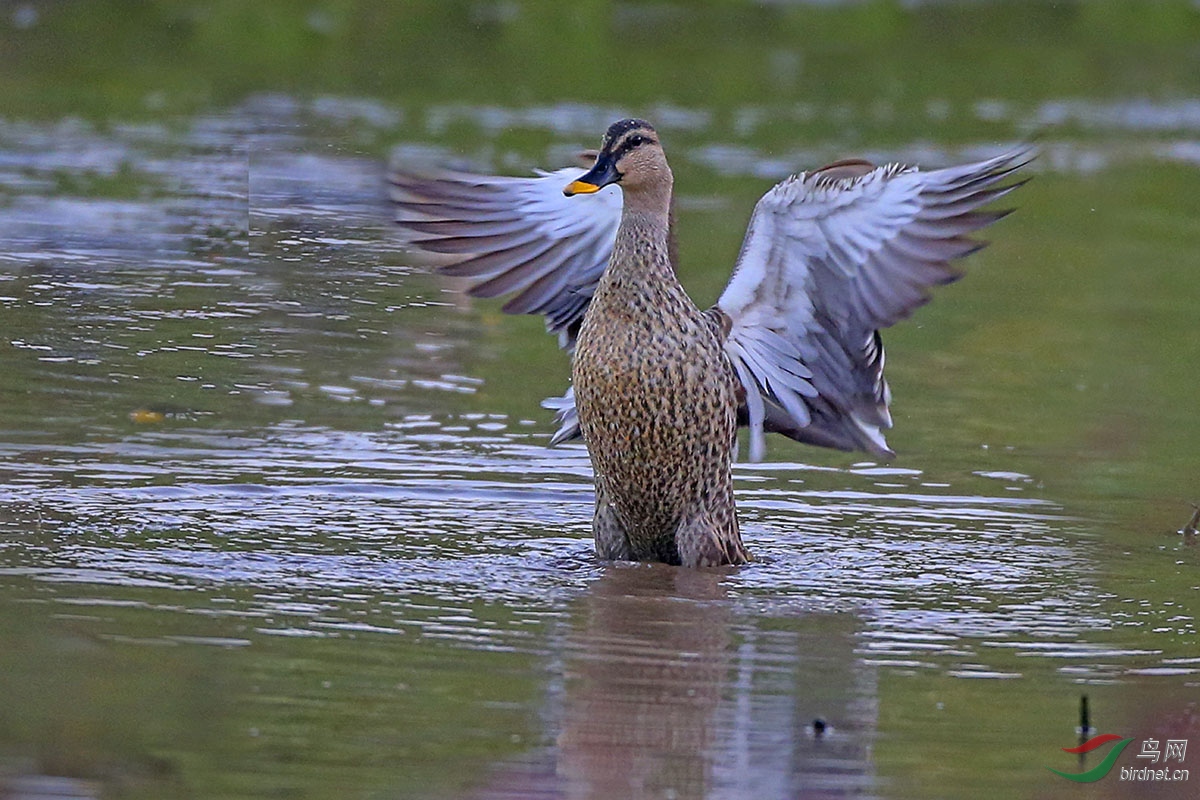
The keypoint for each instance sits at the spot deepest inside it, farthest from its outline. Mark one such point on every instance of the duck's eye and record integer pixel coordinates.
(637, 140)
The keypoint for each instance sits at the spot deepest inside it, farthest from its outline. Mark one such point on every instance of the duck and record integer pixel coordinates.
(659, 388)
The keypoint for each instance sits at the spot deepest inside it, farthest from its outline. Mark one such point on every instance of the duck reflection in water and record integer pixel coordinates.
(669, 691)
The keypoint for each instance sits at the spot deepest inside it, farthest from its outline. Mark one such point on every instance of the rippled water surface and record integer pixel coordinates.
(278, 518)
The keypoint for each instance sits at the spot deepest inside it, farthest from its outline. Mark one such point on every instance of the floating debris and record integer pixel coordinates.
(1189, 530)
(152, 415)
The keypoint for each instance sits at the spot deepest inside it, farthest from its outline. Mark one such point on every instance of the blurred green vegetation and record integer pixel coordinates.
(115, 59)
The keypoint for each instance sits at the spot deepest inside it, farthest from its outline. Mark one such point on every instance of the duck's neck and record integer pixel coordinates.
(644, 251)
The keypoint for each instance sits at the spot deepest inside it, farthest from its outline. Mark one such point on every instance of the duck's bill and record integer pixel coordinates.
(580, 187)
(602, 173)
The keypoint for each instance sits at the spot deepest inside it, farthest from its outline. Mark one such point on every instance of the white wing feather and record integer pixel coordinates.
(520, 237)
(830, 258)
(517, 236)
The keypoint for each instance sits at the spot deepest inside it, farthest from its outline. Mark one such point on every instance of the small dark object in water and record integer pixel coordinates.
(1189, 530)
(818, 727)
(1085, 729)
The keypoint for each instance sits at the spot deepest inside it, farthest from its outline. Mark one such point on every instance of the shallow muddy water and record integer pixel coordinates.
(278, 518)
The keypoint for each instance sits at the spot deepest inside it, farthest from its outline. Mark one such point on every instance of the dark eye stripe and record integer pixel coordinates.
(632, 141)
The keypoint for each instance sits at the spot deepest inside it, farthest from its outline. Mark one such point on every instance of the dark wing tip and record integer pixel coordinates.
(843, 169)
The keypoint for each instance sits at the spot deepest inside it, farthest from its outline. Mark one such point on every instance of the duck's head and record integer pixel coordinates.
(629, 155)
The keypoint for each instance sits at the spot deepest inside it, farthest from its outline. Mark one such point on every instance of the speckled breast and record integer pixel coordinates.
(657, 407)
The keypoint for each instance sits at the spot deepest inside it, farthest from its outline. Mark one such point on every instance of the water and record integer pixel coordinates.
(277, 517)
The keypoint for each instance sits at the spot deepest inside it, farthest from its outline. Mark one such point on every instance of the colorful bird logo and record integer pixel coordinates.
(1100, 770)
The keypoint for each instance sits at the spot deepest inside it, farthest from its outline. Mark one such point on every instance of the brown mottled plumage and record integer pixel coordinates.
(792, 346)
(655, 392)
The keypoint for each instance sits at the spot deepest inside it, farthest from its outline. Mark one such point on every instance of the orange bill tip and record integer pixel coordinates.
(580, 187)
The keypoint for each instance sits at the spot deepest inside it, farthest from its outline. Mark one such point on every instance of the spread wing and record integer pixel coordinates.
(830, 258)
(514, 236)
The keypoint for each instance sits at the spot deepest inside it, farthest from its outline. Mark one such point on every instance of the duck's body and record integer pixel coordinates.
(656, 398)
(660, 387)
